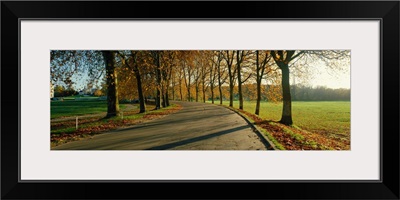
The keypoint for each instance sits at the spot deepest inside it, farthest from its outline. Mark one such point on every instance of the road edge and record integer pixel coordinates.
(268, 144)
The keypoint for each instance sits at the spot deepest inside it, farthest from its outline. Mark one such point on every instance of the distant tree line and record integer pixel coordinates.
(61, 91)
(319, 93)
(273, 93)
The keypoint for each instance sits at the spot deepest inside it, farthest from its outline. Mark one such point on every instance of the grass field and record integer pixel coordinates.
(77, 108)
(323, 117)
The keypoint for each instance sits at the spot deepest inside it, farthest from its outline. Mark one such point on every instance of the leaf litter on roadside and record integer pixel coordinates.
(92, 126)
(295, 138)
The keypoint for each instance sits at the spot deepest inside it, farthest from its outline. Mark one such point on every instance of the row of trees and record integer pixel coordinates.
(61, 91)
(190, 75)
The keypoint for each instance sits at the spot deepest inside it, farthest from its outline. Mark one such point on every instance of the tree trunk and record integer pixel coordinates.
(258, 79)
(163, 95)
(287, 100)
(173, 86)
(220, 94)
(158, 99)
(229, 62)
(239, 80)
(197, 93)
(231, 94)
(158, 95)
(219, 85)
(163, 103)
(140, 90)
(204, 93)
(180, 90)
(240, 96)
(230, 86)
(188, 91)
(112, 84)
(212, 95)
(258, 97)
(167, 99)
(173, 90)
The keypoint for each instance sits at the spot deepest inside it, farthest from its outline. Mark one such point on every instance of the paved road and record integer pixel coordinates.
(197, 126)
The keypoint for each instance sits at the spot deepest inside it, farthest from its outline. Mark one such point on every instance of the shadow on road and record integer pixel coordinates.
(196, 139)
(171, 120)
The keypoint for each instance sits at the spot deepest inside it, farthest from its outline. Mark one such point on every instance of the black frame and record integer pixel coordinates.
(386, 11)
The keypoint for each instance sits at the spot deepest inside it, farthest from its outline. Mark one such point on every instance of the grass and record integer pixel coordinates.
(325, 117)
(65, 131)
(316, 125)
(61, 109)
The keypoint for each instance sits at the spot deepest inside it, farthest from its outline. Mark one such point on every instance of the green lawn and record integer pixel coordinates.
(325, 117)
(80, 97)
(76, 108)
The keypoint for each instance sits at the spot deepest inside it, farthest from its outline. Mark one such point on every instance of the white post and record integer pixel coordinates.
(76, 123)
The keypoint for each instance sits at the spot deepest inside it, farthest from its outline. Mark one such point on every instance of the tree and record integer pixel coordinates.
(240, 57)
(261, 65)
(204, 67)
(65, 64)
(213, 69)
(198, 72)
(168, 64)
(229, 56)
(98, 93)
(173, 73)
(112, 83)
(180, 81)
(284, 57)
(59, 91)
(187, 68)
(221, 77)
(132, 62)
(156, 55)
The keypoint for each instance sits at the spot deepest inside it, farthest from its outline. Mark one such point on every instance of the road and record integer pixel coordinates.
(197, 126)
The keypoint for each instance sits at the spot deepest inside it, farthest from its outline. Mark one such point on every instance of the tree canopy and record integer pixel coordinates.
(193, 75)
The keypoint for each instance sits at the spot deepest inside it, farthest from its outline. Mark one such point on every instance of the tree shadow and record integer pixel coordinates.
(196, 139)
(169, 121)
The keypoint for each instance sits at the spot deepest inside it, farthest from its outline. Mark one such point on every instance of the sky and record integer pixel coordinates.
(323, 76)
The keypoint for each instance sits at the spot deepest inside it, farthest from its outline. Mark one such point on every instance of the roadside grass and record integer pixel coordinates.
(63, 132)
(317, 125)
